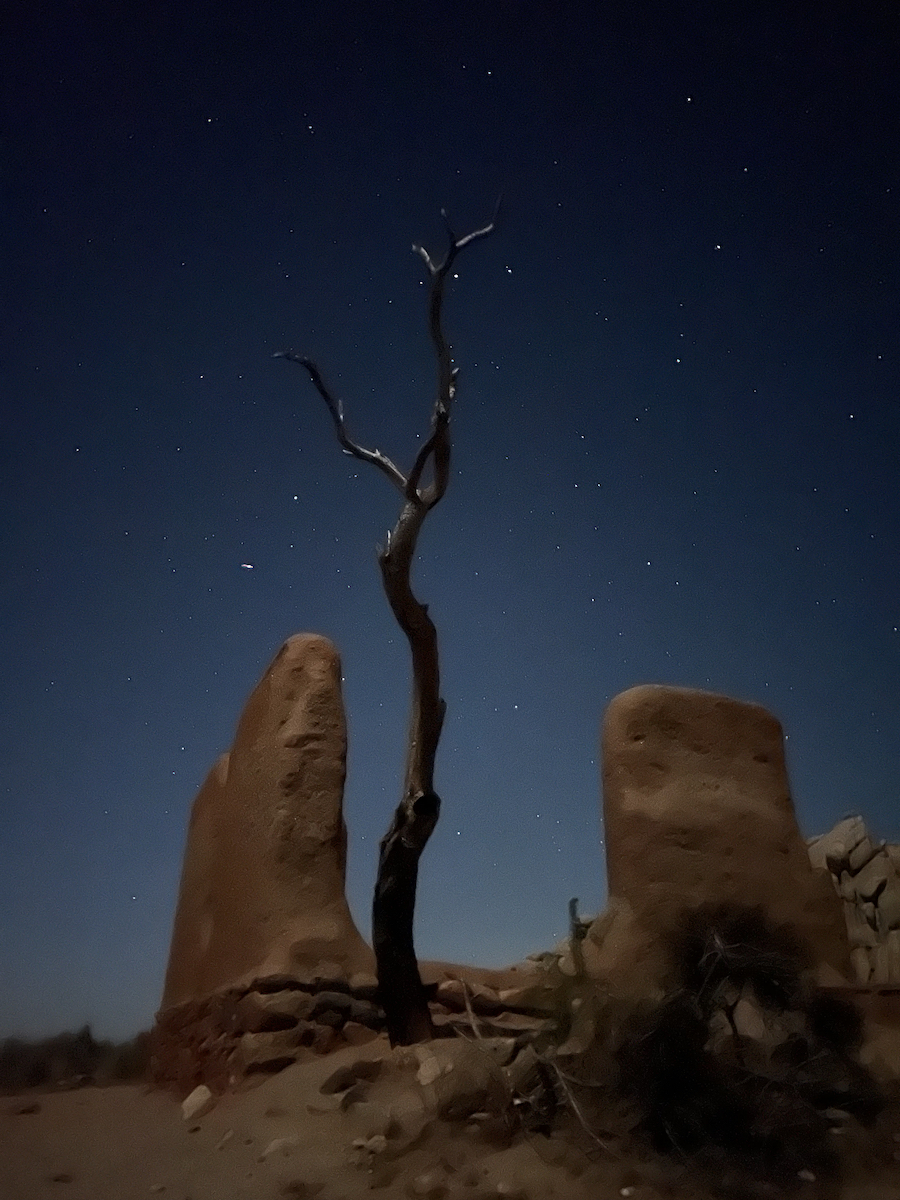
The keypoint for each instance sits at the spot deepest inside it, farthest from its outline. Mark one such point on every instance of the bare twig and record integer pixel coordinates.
(470, 1012)
(576, 1108)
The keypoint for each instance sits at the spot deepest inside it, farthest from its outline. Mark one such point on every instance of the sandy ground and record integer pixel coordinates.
(129, 1143)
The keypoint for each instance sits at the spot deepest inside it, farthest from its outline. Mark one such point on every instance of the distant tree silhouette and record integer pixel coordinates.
(401, 991)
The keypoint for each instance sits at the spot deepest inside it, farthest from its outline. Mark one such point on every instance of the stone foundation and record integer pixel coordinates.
(227, 1038)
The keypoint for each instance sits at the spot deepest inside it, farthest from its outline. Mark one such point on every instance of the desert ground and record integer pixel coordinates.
(285, 1137)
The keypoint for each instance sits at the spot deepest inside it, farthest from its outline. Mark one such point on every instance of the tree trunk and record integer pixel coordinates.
(400, 987)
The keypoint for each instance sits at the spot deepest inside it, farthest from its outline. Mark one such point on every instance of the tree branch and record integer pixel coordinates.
(336, 408)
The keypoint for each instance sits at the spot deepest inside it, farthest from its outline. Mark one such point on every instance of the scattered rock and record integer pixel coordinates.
(429, 1186)
(198, 1103)
(356, 1034)
(283, 1146)
(354, 1095)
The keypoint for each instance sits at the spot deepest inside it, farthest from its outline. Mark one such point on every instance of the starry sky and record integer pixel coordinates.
(675, 437)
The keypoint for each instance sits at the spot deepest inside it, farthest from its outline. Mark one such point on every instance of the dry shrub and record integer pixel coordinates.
(743, 1111)
(71, 1060)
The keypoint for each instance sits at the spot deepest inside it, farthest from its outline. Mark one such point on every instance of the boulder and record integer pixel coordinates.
(871, 879)
(697, 810)
(838, 844)
(262, 886)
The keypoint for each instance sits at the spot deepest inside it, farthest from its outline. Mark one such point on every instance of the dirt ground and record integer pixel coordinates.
(284, 1138)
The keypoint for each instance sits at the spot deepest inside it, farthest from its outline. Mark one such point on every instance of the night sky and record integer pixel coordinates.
(675, 437)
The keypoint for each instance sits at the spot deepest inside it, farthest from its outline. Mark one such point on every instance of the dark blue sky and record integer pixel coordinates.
(676, 432)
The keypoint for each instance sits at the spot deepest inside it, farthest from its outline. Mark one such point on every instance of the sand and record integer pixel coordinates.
(284, 1138)
(127, 1142)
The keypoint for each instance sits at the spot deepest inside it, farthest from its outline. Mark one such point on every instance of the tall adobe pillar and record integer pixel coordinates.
(697, 810)
(262, 886)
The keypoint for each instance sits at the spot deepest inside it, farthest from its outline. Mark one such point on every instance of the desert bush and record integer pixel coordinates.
(690, 1081)
(70, 1059)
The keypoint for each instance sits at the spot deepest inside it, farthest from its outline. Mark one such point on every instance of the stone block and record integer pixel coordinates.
(697, 810)
(871, 880)
(841, 841)
(859, 931)
(861, 854)
(259, 1012)
(273, 1051)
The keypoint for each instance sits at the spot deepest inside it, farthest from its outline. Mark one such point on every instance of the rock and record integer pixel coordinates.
(364, 984)
(376, 1144)
(457, 1077)
(846, 887)
(428, 1186)
(859, 931)
(198, 1103)
(524, 1072)
(274, 1051)
(262, 886)
(344, 1077)
(749, 1021)
(697, 810)
(283, 1146)
(871, 879)
(354, 1095)
(881, 1052)
(539, 999)
(861, 964)
(482, 998)
(257, 1012)
(816, 849)
(892, 956)
(325, 1040)
(841, 841)
(358, 1035)
(889, 904)
(861, 854)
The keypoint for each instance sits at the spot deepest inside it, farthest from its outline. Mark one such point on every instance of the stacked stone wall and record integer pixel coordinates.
(866, 876)
(224, 1039)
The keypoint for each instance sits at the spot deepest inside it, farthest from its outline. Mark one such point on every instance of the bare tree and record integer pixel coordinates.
(400, 986)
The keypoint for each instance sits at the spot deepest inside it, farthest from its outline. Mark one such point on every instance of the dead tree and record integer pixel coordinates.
(401, 992)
